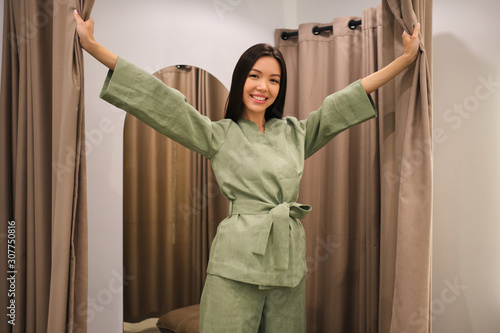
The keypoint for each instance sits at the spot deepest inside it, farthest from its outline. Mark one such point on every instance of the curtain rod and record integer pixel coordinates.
(352, 24)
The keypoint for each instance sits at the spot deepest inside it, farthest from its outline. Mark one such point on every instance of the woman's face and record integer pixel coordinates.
(261, 87)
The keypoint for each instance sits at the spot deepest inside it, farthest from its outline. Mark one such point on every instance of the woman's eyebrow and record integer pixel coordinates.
(256, 70)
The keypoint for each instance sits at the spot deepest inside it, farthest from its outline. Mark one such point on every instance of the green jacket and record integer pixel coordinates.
(262, 241)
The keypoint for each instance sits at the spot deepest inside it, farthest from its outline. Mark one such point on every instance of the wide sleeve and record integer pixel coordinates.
(163, 108)
(339, 111)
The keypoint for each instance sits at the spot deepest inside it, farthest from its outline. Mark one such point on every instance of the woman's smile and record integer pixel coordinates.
(259, 98)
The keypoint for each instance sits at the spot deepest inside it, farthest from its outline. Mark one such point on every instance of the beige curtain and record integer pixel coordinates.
(172, 205)
(364, 231)
(340, 181)
(43, 175)
(406, 175)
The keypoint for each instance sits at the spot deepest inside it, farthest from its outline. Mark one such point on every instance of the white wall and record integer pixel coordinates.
(467, 164)
(324, 11)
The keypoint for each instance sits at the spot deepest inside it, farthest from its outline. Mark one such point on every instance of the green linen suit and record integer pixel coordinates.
(262, 241)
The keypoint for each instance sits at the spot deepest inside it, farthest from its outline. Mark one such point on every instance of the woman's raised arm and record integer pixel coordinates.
(412, 43)
(85, 30)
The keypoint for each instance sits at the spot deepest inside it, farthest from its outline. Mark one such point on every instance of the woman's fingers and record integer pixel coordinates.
(77, 16)
(412, 42)
(89, 24)
(416, 30)
(84, 29)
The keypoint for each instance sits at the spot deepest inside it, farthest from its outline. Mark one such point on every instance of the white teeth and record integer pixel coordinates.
(259, 98)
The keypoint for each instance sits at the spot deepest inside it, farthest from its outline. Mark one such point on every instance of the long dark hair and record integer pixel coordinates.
(234, 104)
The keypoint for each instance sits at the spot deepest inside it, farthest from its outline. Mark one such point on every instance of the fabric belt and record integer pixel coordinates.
(278, 221)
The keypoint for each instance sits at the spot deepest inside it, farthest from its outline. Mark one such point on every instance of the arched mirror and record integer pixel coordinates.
(172, 206)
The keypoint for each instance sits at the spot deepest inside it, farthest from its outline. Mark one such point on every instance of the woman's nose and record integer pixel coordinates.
(262, 86)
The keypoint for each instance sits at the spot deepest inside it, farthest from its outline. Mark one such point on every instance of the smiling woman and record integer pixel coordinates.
(260, 247)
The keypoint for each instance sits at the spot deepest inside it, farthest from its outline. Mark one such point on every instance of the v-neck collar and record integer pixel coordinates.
(253, 126)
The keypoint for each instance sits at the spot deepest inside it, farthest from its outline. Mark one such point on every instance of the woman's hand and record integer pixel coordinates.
(412, 44)
(85, 30)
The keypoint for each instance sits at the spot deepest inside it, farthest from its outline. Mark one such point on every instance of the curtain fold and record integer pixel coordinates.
(406, 177)
(43, 175)
(172, 205)
(369, 234)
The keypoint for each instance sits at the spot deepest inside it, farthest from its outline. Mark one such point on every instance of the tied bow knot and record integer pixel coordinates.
(277, 226)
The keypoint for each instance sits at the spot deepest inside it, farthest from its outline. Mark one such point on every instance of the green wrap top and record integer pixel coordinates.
(262, 241)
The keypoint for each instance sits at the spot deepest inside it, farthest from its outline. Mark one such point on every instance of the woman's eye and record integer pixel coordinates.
(275, 81)
(253, 76)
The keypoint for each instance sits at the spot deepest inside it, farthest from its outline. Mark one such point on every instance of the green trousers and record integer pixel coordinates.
(229, 306)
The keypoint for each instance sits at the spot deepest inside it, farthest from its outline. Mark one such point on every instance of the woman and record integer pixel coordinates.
(256, 270)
